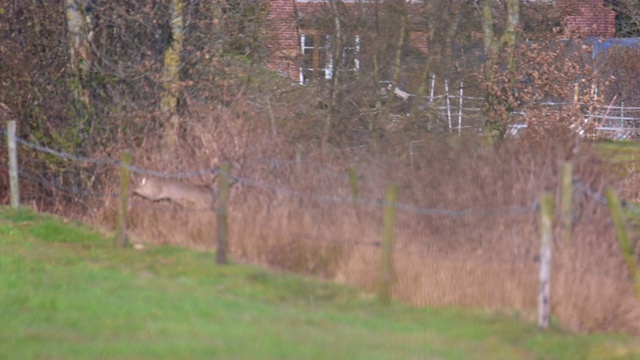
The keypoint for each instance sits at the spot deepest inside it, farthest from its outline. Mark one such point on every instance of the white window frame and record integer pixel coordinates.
(328, 68)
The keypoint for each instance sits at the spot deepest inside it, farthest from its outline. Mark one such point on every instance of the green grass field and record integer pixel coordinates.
(65, 293)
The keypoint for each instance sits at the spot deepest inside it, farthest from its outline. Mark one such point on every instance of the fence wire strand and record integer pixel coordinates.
(67, 189)
(171, 175)
(589, 192)
(512, 210)
(132, 168)
(64, 155)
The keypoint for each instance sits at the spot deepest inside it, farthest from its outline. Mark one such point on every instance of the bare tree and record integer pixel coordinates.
(628, 19)
(171, 72)
(337, 50)
(495, 46)
(444, 26)
(398, 14)
(80, 63)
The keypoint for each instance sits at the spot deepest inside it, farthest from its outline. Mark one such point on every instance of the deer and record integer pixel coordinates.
(185, 194)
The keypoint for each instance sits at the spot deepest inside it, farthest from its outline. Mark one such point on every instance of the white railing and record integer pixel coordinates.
(459, 112)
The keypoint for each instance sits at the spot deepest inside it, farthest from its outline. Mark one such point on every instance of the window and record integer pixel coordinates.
(317, 56)
(350, 54)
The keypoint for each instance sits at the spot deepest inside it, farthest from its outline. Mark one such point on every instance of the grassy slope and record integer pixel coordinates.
(65, 293)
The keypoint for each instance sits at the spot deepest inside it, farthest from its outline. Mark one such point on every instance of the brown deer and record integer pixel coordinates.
(185, 194)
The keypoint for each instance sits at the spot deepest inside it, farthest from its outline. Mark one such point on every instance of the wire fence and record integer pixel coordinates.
(280, 190)
(276, 189)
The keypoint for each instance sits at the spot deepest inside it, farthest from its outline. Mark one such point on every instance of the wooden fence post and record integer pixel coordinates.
(298, 161)
(13, 164)
(566, 201)
(355, 189)
(222, 203)
(546, 231)
(626, 247)
(386, 266)
(122, 240)
(460, 108)
(448, 102)
(433, 86)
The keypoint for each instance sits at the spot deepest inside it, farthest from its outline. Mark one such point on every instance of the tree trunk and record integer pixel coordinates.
(336, 48)
(495, 128)
(374, 125)
(171, 73)
(79, 66)
(443, 21)
(399, 9)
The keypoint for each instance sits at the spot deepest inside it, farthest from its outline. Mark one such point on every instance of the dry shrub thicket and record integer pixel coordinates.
(551, 87)
(467, 234)
(621, 63)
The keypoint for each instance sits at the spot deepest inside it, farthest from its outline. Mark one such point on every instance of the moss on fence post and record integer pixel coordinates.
(222, 203)
(14, 184)
(386, 266)
(546, 234)
(122, 240)
(626, 247)
(566, 201)
(355, 189)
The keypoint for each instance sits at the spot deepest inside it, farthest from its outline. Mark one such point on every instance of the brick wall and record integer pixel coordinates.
(285, 45)
(584, 18)
(419, 40)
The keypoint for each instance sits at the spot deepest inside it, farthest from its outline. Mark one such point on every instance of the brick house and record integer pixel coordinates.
(300, 52)
(587, 18)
